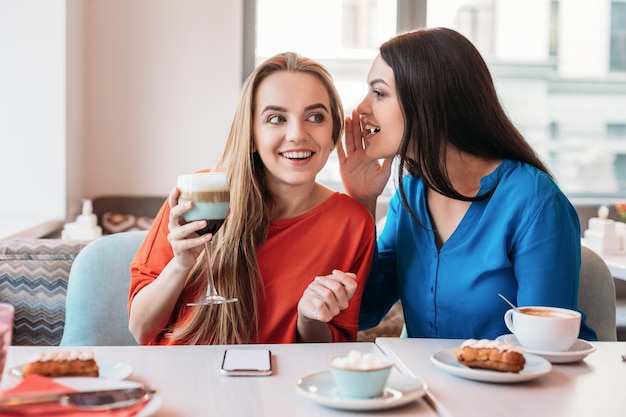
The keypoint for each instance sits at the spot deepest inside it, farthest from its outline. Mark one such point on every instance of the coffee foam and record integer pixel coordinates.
(547, 312)
(360, 361)
(203, 181)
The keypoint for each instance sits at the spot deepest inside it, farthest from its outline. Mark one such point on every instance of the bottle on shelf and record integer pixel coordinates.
(85, 227)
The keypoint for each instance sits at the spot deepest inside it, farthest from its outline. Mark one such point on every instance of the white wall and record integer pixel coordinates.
(134, 92)
(32, 109)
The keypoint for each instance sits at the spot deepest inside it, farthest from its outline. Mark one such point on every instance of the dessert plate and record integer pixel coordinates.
(579, 350)
(535, 367)
(107, 370)
(400, 390)
(98, 384)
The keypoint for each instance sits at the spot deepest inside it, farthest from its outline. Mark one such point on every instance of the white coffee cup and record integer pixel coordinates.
(546, 329)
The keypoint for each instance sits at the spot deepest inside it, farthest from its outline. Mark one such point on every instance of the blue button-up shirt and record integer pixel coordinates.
(523, 242)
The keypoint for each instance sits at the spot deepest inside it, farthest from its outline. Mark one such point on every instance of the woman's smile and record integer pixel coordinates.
(293, 132)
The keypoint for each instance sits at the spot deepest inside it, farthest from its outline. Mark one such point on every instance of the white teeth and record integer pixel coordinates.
(297, 155)
(372, 129)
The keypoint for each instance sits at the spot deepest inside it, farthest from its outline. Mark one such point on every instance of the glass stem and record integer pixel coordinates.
(211, 291)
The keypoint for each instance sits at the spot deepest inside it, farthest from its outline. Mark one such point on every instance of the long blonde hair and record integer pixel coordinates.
(234, 247)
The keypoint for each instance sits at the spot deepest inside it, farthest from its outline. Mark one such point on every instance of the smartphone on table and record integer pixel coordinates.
(247, 362)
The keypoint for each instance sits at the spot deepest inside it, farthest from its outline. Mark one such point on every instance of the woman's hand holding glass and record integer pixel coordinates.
(186, 244)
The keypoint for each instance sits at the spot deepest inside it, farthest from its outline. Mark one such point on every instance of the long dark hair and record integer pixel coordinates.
(447, 96)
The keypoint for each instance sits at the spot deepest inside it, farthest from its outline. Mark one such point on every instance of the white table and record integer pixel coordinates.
(616, 264)
(593, 387)
(191, 386)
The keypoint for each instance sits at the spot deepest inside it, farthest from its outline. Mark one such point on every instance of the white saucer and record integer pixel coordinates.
(107, 370)
(579, 350)
(96, 384)
(534, 368)
(400, 390)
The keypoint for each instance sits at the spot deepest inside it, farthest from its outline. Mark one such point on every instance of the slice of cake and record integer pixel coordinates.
(62, 364)
(490, 354)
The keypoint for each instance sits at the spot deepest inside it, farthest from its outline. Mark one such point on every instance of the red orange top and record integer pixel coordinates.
(337, 234)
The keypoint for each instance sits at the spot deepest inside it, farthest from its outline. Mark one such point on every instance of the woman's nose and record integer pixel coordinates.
(296, 131)
(363, 107)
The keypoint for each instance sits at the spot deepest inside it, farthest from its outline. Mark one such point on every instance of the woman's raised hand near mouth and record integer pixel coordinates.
(363, 178)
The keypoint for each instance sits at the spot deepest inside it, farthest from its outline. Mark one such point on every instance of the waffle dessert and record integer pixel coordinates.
(490, 354)
(62, 364)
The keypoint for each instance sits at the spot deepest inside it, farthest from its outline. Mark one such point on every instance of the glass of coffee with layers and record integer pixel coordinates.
(210, 195)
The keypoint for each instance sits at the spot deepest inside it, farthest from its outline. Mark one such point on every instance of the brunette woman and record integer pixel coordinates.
(476, 214)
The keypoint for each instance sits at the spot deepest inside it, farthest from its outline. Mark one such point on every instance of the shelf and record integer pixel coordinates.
(27, 227)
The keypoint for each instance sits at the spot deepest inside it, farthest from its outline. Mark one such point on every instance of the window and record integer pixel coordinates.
(555, 81)
(555, 133)
(358, 24)
(346, 44)
(475, 20)
(616, 131)
(618, 37)
(554, 28)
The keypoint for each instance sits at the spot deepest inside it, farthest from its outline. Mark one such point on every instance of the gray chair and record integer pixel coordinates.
(97, 292)
(596, 295)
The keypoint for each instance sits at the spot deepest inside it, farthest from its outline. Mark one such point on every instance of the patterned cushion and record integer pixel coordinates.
(33, 277)
(121, 222)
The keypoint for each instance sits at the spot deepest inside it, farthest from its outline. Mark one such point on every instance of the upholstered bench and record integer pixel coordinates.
(33, 277)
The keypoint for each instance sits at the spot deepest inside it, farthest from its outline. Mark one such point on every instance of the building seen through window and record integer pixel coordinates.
(562, 84)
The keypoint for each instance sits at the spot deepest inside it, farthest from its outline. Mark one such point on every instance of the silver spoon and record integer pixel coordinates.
(508, 302)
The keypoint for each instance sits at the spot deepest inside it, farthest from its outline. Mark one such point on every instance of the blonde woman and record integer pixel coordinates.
(295, 253)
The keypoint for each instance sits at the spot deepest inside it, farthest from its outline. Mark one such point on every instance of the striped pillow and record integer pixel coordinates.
(33, 277)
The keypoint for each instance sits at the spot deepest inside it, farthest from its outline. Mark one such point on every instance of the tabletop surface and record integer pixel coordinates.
(190, 382)
(616, 264)
(191, 385)
(592, 387)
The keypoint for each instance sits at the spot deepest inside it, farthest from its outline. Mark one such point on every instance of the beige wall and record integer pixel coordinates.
(75, 147)
(161, 83)
(112, 96)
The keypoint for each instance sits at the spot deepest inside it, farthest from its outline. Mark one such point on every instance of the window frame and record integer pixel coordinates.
(411, 14)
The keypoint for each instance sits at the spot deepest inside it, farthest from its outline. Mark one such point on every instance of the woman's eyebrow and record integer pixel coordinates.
(378, 81)
(273, 108)
(316, 106)
(282, 109)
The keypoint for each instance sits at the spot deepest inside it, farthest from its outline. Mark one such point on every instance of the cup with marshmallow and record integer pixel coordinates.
(360, 375)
